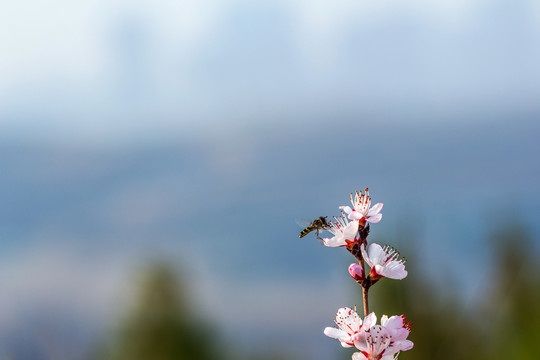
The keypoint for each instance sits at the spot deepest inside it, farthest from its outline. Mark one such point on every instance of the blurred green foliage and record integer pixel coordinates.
(502, 324)
(160, 326)
(514, 305)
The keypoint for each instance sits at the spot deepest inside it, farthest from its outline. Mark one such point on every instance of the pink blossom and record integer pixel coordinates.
(384, 262)
(382, 342)
(344, 232)
(362, 209)
(348, 324)
(399, 331)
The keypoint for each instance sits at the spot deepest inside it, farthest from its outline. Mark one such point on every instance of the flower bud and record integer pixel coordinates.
(357, 272)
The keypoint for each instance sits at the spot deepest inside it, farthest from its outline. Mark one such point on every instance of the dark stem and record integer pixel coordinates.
(355, 250)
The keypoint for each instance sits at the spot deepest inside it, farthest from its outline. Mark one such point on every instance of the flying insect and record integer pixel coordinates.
(317, 225)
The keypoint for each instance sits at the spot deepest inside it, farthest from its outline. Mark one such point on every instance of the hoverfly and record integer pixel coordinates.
(317, 225)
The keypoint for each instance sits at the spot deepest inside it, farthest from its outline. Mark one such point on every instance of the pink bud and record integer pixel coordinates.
(356, 271)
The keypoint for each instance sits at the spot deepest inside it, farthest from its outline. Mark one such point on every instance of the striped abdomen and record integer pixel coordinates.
(307, 230)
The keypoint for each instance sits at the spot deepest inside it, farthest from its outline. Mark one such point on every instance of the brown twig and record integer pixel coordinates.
(365, 290)
(356, 250)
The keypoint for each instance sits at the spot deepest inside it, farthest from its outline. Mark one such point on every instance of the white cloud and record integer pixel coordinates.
(65, 69)
(70, 41)
(322, 25)
(57, 40)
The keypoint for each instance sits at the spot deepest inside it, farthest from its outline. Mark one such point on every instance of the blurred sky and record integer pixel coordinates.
(199, 131)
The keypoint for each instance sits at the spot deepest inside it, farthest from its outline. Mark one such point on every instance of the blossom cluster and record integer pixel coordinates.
(381, 342)
(373, 341)
(383, 261)
(344, 231)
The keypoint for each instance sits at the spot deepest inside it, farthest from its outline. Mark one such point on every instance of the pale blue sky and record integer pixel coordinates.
(117, 71)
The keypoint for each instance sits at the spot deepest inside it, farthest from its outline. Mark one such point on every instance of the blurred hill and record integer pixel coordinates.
(161, 326)
(499, 323)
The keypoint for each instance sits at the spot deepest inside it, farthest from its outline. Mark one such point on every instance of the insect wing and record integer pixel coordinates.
(303, 223)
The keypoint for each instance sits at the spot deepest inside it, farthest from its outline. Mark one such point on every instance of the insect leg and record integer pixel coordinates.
(318, 237)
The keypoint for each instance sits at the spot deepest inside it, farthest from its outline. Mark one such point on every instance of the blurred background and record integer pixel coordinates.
(155, 155)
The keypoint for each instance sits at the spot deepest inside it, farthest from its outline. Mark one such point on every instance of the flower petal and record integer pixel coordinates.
(348, 320)
(350, 230)
(374, 219)
(335, 241)
(393, 270)
(346, 209)
(369, 321)
(355, 215)
(400, 334)
(365, 256)
(360, 341)
(335, 333)
(406, 345)
(359, 356)
(394, 322)
(376, 254)
(375, 209)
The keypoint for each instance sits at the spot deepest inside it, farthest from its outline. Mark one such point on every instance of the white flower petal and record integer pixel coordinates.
(374, 219)
(375, 209)
(400, 334)
(342, 230)
(360, 341)
(350, 230)
(349, 321)
(393, 270)
(405, 345)
(335, 333)
(369, 321)
(346, 209)
(355, 215)
(376, 254)
(394, 322)
(359, 356)
(335, 241)
(378, 269)
(365, 256)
